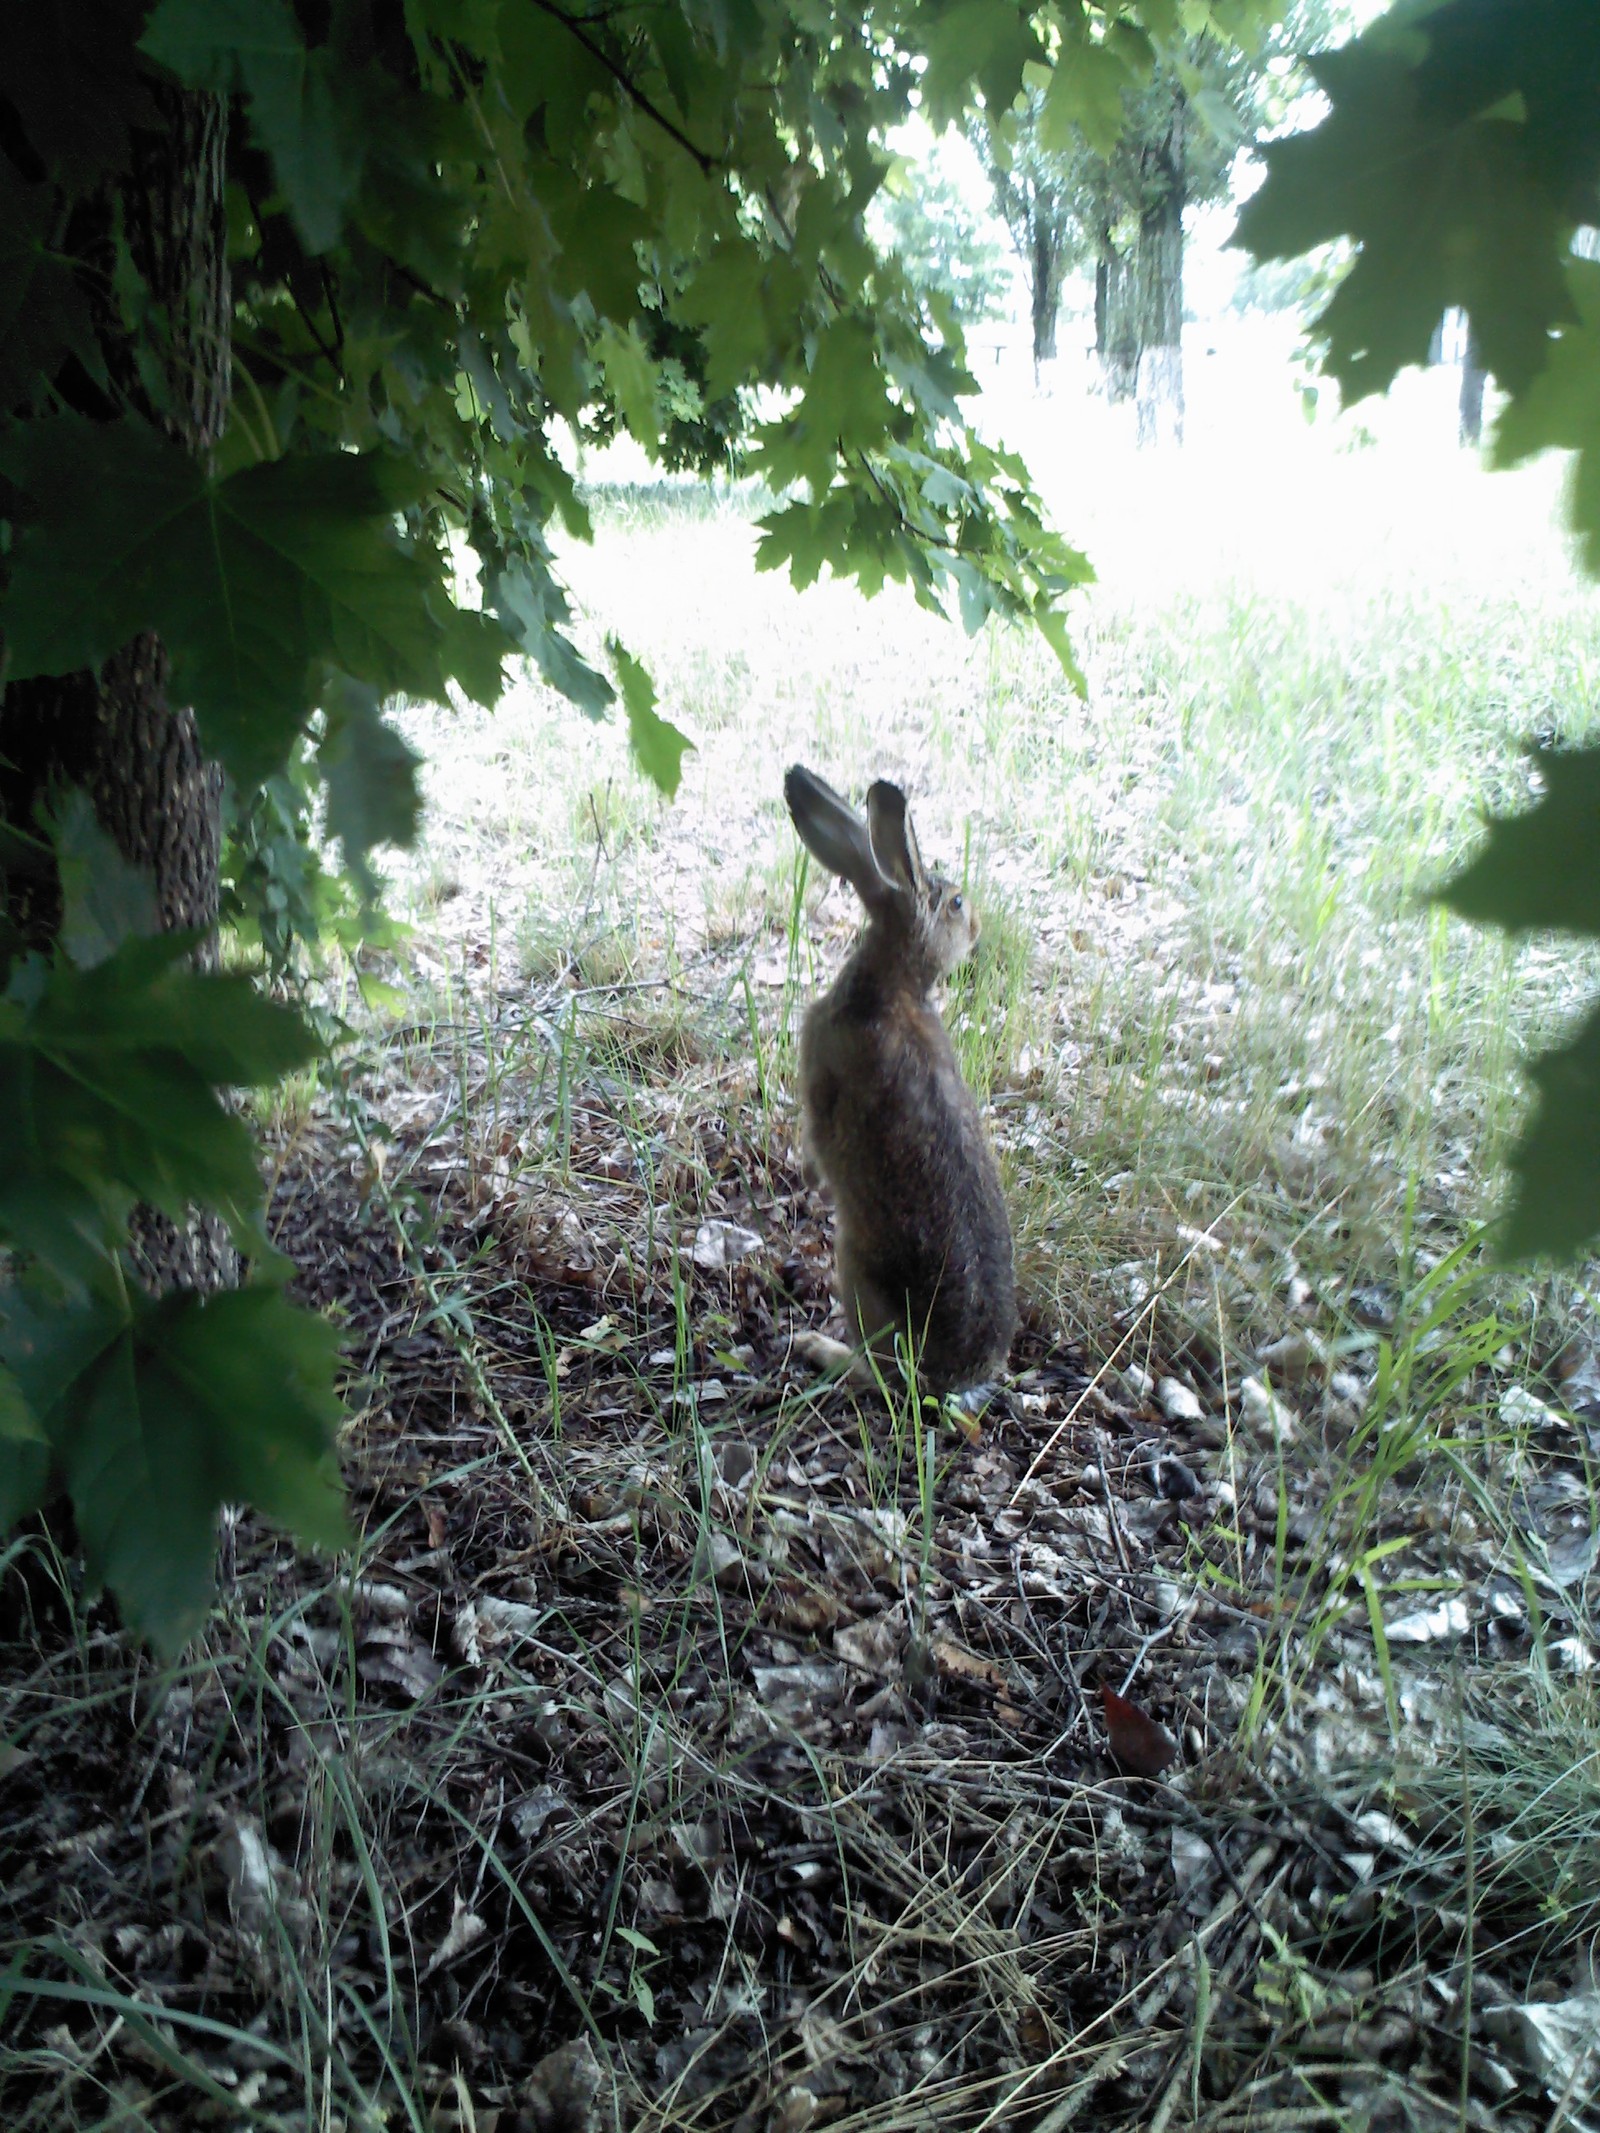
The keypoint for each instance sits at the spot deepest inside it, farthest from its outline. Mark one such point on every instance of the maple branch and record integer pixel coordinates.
(709, 165)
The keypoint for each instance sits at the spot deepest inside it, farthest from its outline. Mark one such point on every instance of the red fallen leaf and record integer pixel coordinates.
(1137, 1742)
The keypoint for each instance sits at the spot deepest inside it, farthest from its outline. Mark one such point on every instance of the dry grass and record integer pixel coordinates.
(737, 1743)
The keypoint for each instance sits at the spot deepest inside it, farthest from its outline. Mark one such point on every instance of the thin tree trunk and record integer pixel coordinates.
(1159, 303)
(1045, 274)
(1473, 379)
(1115, 330)
(114, 734)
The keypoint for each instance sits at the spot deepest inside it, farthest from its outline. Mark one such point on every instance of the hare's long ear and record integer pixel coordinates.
(894, 841)
(832, 831)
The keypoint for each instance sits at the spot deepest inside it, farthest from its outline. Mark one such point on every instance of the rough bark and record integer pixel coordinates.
(1116, 337)
(114, 733)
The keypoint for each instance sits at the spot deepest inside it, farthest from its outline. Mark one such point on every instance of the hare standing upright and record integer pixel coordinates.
(922, 1245)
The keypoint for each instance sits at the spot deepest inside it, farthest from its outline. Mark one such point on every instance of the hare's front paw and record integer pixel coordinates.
(822, 1353)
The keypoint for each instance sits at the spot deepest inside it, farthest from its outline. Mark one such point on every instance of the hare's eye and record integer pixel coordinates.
(955, 903)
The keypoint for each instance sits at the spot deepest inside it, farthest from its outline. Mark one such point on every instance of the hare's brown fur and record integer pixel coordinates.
(922, 1241)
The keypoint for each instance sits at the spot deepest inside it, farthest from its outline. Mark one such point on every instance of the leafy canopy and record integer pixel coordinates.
(1461, 153)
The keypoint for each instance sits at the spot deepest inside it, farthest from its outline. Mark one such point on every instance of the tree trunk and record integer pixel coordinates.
(113, 733)
(1045, 276)
(1473, 379)
(1115, 330)
(1159, 301)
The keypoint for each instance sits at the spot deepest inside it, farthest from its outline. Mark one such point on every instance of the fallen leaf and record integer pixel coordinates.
(1179, 1402)
(562, 2094)
(872, 1645)
(718, 1245)
(252, 1887)
(389, 1658)
(465, 1931)
(1263, 1407)
(719, 1557)
(953, 1658)
(1556, 2040)
(529, 1815)
(800, 1609)
(1430, 1625)
(1293, 1357)
(1138, 1743)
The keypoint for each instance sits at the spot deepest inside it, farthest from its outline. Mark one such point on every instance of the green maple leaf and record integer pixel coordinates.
(1555, 1206)
(370, 774)
(748, 310)
(632, 378)
(532, 606)
(300, 101)
(255, 580)
(984, 41)
(44, 313)
(1450, 208)
(18, 1422)
(846, 409)
(1085, 95)
(104, 900)
(545, 68)
(108, 1080)
(1561, 409)
(657, 744)
(158, 1414)
(1540, 868)
(597, 231)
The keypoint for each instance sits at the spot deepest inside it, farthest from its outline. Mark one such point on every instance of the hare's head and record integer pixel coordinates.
(919, 922)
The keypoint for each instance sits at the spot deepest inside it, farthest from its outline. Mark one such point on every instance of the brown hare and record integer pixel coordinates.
(922, 1245)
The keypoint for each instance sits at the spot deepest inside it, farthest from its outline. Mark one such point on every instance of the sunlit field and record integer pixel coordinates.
(725, 1748)
(1212, 993)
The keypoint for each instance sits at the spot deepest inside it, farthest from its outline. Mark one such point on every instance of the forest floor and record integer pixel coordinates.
(1205, 1735)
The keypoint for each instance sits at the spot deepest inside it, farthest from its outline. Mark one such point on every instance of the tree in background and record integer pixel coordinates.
(1099, 167)
(1033, 195)
(1106, 182)
(927, 218)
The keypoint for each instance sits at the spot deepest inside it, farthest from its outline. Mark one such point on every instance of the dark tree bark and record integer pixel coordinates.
(1473, 379)
(1047, 268)
(1159, 298)
(114, 734)
(1116, 338)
